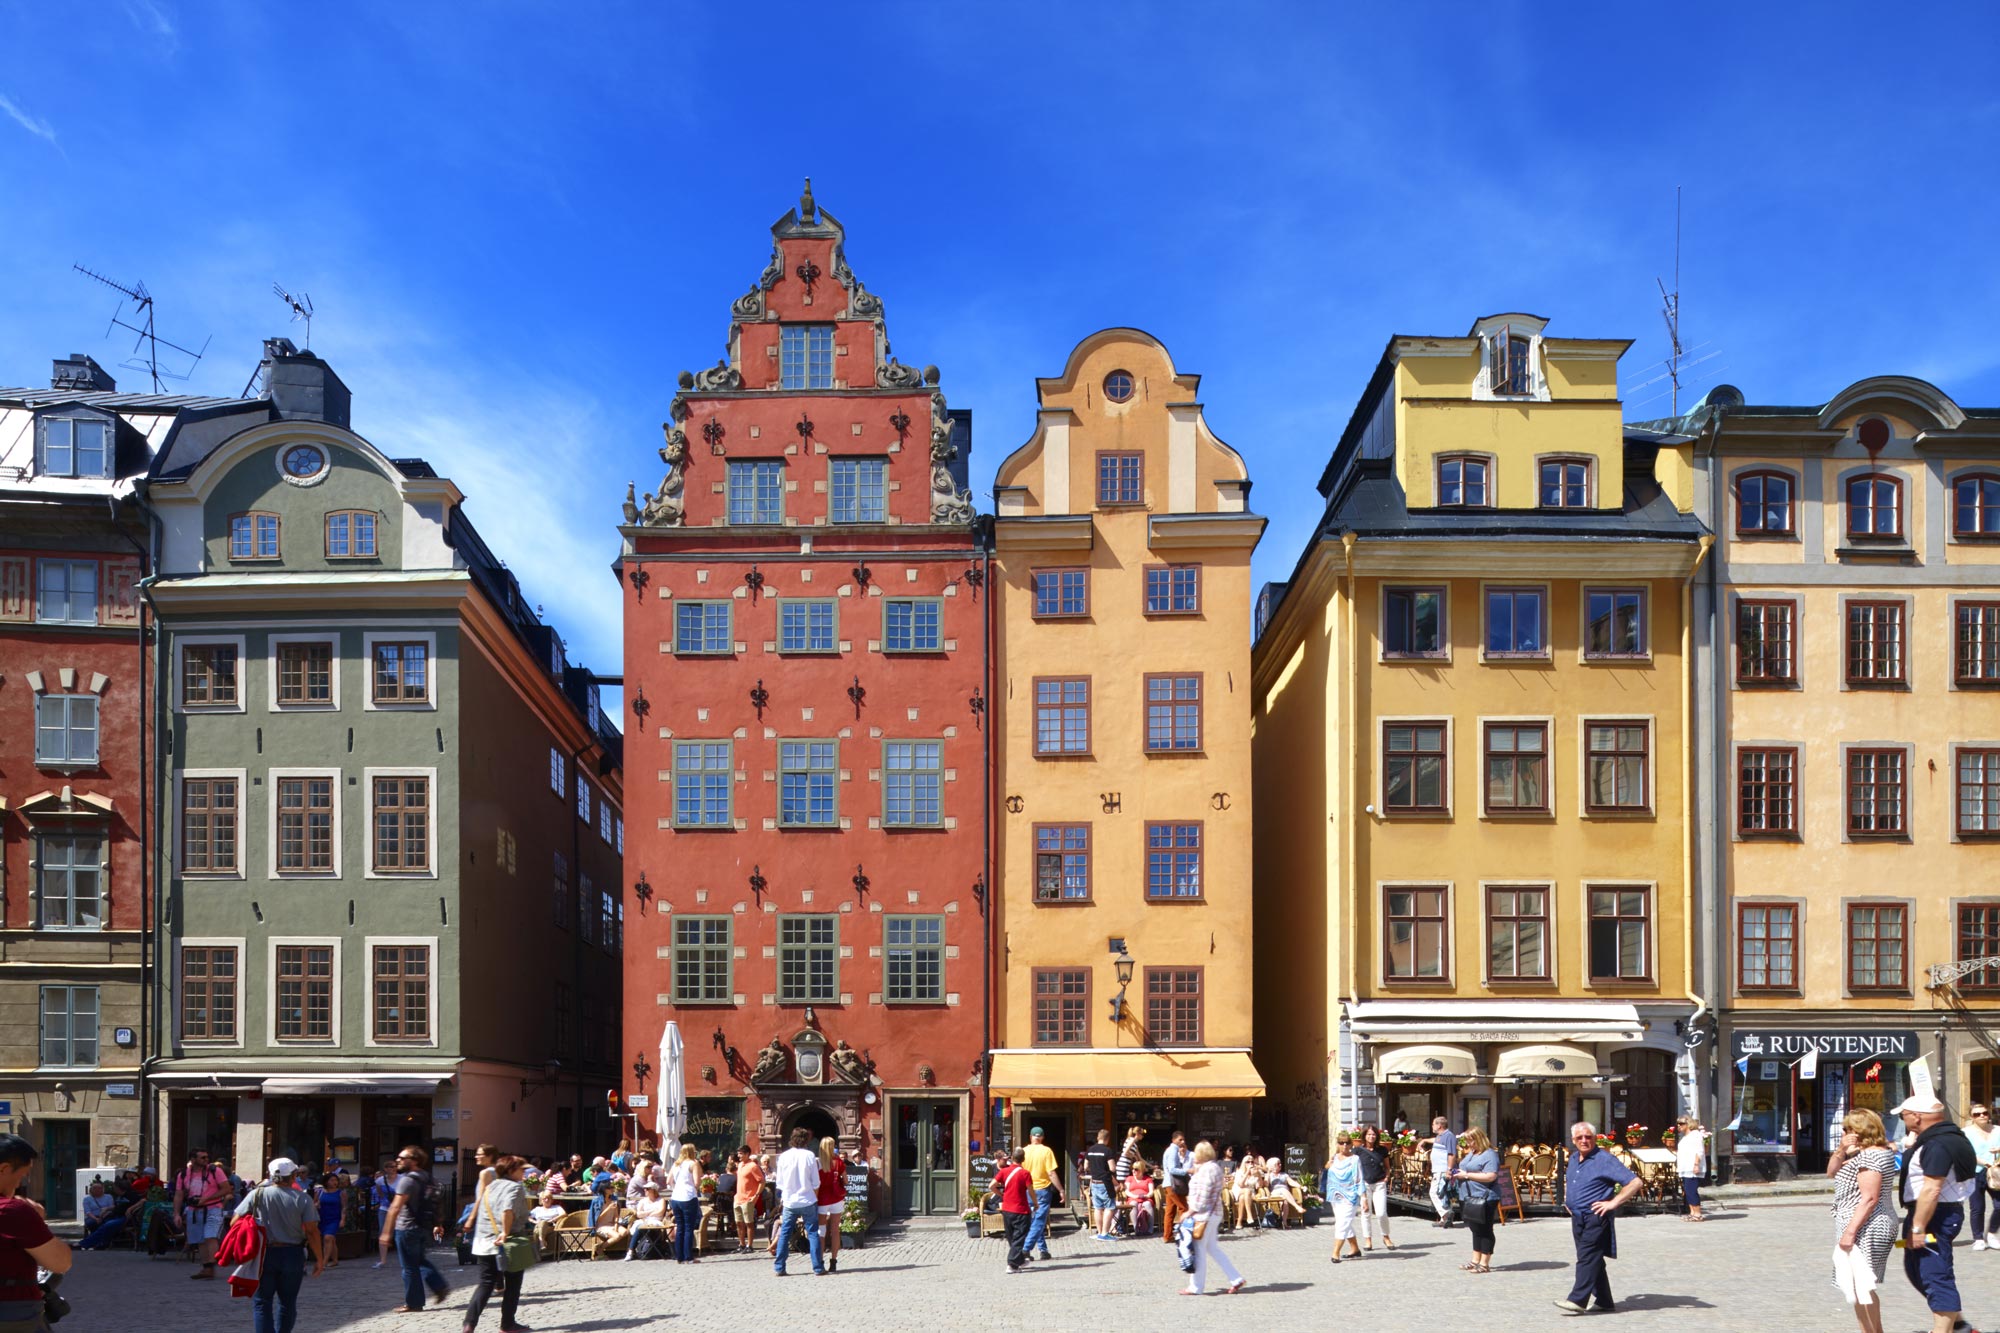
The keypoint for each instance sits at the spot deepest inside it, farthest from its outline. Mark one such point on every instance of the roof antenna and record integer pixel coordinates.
(302, 309)
(142, 309)
(1670, 310)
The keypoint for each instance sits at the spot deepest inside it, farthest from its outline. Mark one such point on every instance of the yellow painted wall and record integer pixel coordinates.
(1516, 432)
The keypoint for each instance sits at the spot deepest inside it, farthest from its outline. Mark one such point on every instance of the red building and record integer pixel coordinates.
(805, 649)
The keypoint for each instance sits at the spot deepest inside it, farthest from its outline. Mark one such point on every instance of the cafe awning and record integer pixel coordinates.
(1426, 1064)
(1544, 1060)
(421, 1083)
(1130, 1075)
(1471, 1021)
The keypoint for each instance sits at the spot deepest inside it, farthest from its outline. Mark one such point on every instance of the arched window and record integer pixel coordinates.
(1976, 505)
(1764, 504)
(1565, 483)
(1463, 482)
(1874, 506)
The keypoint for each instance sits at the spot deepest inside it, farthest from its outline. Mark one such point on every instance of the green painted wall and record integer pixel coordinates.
(350, 482)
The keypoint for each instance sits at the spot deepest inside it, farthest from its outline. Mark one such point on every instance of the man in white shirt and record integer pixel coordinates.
(797, 1181)
(1443, 1147)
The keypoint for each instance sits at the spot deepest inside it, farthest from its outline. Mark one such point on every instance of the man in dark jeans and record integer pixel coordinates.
(25, 1240)
(409, 1223)
(1016, 1203)
(291, 1228)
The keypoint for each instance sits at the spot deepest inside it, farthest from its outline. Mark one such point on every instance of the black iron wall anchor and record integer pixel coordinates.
(977, 703)
(643, 891)
(712, 432)
(804, 428)
(863, 576)
(760, 698)
(1112, 801)
(1016, 804)
(639, 578)
(857, 694)
(979, 896)
(754, 581)
(641, 705)
(1220, 800)
(642, 1068)
(901, 422)
(975, 579)
(861, 882)
(808, 274)
(757, 881)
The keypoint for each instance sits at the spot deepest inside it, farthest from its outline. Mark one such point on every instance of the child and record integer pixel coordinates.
(1139, 1193)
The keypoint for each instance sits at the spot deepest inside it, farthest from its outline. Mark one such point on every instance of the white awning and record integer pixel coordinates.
(1494, 1021)
(1544, 1060)
(1426, 1064)
(329, 1085)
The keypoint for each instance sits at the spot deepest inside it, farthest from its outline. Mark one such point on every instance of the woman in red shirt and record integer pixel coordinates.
(832, 1200)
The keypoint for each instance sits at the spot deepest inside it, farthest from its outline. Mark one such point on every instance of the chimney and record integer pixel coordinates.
(302, 387)
(77, 371)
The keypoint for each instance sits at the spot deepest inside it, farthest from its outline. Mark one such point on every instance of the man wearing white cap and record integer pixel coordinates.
(291, 1227)
(1946, 1167)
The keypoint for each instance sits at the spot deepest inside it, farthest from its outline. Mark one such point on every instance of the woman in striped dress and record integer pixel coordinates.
(1864, 1214)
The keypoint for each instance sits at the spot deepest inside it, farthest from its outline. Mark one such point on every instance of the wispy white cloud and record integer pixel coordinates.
(34, 125)
(154, 20)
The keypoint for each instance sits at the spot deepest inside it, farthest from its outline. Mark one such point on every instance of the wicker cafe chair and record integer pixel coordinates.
(1542, 1175)
(601, 1248)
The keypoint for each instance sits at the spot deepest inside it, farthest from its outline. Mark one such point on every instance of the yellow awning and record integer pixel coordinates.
(1057, 1075)
(1544, 1060)
(1426, 1064)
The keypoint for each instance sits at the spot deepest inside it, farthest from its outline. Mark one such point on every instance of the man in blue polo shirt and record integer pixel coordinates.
(1592, 1192)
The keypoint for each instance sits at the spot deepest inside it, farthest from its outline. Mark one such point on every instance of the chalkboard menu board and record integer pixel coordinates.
(1298, 1163)
(1510, 1195)
(857, 1183)
(981, 1171)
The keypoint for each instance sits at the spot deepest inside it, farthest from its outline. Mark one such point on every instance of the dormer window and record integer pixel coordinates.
(1462, 483)
(1565, 483)
(805, 356)
(253, 536)
(76, 447)
(1512, 364)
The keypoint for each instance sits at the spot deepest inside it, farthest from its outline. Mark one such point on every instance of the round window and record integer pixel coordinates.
(303, 462)
(1873, 433)
(1118, 386)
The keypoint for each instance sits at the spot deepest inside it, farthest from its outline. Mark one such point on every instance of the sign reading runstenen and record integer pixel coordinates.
(1850, 1044)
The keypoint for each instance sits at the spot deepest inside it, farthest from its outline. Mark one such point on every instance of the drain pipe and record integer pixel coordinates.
(150, 952)
(1349, 895)
(1718, 869)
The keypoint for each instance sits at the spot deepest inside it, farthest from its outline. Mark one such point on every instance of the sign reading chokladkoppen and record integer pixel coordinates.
(1840, 1044)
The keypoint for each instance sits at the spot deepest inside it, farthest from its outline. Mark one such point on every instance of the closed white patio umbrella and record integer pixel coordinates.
(672, 1090)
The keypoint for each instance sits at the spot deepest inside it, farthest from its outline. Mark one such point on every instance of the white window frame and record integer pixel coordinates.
(558, 772)
(238, 943)
(271, 779)
(369, 639)
(583, 798)
(95, 831)
(368, 945)
(68, 415)
(182, 641)
(271, 645)
(271, 990)
(69, 698)
(368, 776)
(96, 569)
(243, 817)
(861, 496)
(41, 1018)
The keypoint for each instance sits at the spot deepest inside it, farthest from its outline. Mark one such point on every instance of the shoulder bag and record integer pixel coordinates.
(517, 1254)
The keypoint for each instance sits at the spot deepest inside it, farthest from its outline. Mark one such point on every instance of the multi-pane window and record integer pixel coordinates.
(807, 772)
(808, 959)
(305, 673)
(402, 977)
(402, 673)
(1614, 622)
(76, 447)
(702, 956)
(1413, 622)
(1173, 861)
(1764, 504)
(1415, 767)
(1062, 1006)
(1061, 592)
(1512, 365)
(350, 533)
(253, 537)
(1976, 506)
(702, 781)
(912, 625)
(69, 883)
(1517, 934)
(1767, 946)
(860, 490)
(305, 826)
(913, 959)
(209, 825)
(1874, 506)
(305, 992)
(1766, 638)
(1767, 792)
(1616, 758)
(1062, 715)
(559, 901)
(1415, 936)
(1517, 767)
(1621, 929)
(756, 491)
(1978, 793)
(1875, 643)
(556, 770)
(402, 824)
(1173, 590)
(1517, 622)
(582, 798)
(66, 592)
(586, 910)
(1565, 484)
(1462, 483)
(1877, 798)
(1877, 953)
(65, 730)
(208, 992)
(1121, 479)
(1062, 863)
(208, 675)
(1173, 1006)
(701, 627)
(1976, 643)
(805, 356)
(912, 784)
(1979, 937)
(604, 821)
(69, 1027)
(804, 626)
(1173, 713)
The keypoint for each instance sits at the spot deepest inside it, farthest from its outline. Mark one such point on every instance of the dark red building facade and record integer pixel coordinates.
(805, 657)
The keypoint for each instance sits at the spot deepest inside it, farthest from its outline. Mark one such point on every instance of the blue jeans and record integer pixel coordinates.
(103, 1233)
(418, 1270)
(1038, 1222)
(687, 1222)
(284, 1270)
(809, 1215)
(1930, 1269)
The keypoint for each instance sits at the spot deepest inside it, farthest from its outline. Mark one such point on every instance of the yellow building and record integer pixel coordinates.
(1471, 748)
(1850, 735)
(1121, 697)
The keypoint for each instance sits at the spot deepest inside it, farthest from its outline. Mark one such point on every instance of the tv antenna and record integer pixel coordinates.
(1670, 310)
(302, 309)
(141, 324)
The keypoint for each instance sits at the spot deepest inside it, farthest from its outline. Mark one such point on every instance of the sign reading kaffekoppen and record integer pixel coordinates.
(1850, 1044)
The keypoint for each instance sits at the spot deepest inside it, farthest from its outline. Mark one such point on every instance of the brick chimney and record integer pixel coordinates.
(78, 371)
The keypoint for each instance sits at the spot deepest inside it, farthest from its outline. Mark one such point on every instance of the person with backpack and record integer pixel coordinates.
(408, 1223)
(202, 1195)
(25, 1243)
(291, 1228)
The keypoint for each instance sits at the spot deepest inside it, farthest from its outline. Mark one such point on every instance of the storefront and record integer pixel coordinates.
(1789, 1089)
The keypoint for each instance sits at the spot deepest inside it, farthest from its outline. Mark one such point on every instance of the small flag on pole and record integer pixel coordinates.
(1809, 1066)
(1743, 1067)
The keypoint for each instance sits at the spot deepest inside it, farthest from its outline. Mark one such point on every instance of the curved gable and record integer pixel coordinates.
(1906, 392)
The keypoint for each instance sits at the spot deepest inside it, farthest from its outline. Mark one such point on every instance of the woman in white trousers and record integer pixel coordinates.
(1374, 1155)
(1205, 1216)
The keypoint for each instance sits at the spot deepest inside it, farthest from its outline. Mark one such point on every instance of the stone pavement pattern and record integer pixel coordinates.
(1759, 1267)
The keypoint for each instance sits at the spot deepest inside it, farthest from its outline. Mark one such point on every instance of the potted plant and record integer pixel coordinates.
(1635, 1135)
(971, 1219)
(1668, 1137)
(1315, 1209)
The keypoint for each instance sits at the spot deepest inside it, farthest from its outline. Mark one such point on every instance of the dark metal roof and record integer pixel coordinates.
(414, 468)
(114, 399)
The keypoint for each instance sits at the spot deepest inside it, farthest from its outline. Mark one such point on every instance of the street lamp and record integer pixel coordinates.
(1123, 964)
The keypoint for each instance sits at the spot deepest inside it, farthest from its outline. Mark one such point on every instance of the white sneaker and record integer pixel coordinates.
(1979, 1244)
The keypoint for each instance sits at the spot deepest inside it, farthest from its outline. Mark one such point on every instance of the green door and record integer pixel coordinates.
(924, 1162)
(65, 1151)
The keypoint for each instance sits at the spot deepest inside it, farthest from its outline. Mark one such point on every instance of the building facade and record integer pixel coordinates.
(387, 805)
(1472, 751)
(1124, 946)
(1849, 632)
(805, 642)
(74, 684)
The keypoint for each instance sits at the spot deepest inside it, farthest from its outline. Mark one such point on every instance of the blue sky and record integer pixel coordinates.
(520, 221)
